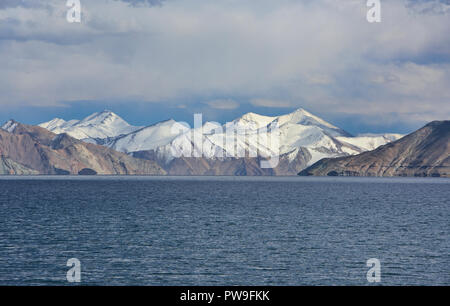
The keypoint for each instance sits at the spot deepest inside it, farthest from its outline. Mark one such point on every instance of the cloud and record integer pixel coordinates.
(224, 104)
(429, 6)
(319, 55)
(20, 3)
(270, 103)
(143, 2)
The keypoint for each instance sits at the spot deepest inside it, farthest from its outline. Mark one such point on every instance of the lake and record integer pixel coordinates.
(224, 230)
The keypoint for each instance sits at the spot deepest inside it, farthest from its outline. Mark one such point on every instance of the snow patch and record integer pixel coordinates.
(10, 126)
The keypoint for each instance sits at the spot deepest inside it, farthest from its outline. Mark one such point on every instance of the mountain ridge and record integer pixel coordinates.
(425, 152)
(303, 139)
(98, 125)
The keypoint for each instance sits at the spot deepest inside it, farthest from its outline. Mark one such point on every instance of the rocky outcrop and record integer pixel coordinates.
(10, 167)
(426, 152)
(26, 149)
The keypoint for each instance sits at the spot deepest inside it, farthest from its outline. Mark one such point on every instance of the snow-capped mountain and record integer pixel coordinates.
(299, 138)
(297, 130)
(293, 131)
(147, 138)
(96, 126)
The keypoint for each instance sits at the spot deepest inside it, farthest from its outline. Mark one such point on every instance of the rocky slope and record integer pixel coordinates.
(425, 152)
(246, 166)
(26, 149)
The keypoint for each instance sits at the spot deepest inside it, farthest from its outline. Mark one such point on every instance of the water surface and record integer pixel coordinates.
(224, 230)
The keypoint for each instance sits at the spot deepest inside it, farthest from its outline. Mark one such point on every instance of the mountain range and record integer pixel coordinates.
(104, 143)
(303, 139)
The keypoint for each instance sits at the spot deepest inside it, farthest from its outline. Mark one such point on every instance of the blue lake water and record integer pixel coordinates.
(224, 230)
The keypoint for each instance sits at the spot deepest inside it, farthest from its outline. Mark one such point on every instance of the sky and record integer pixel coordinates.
(151, 60)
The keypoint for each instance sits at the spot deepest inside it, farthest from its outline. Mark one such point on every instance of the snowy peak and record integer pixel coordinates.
(303, 117)
(53, 124)
(298, 117)
(105, 118)
(250, 121)
(96, 126)
(256, 119)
